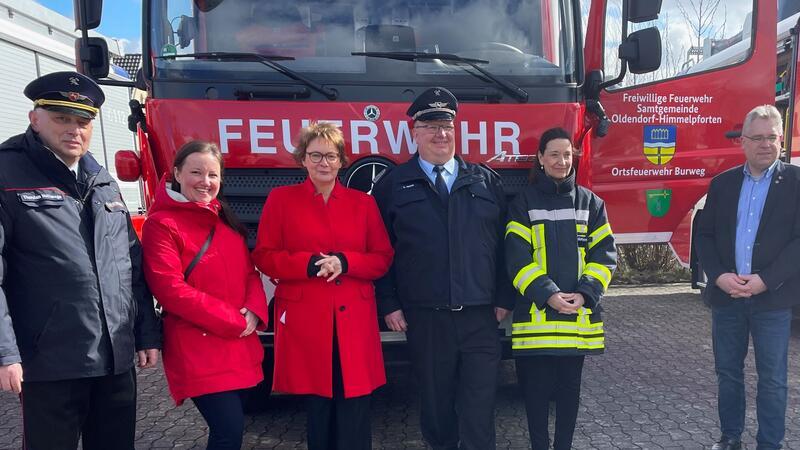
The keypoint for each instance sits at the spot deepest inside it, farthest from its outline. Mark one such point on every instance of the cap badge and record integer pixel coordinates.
(74, 81)
(73, 96)
(437, 92)
(438, 104)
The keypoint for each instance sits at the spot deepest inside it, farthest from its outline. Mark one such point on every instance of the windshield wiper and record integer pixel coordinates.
(267, 60)
(511, 88)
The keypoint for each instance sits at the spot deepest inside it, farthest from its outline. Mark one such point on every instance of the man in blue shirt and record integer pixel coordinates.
(748, 242)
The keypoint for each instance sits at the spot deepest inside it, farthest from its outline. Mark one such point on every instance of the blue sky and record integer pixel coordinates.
(122, 19)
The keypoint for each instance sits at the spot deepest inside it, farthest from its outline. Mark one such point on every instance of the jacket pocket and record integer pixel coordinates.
(409, 195)
(288, 292)
(45, 327)
(484, 201)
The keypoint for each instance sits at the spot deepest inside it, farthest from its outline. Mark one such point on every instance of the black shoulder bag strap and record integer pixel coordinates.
(199, 254)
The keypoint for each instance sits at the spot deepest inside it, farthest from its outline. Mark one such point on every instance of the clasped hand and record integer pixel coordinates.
(330, 266)
(741, 286)
(252, 322)
(566, 303)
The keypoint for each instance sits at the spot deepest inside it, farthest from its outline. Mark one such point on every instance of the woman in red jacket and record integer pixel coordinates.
(212, 304)
(324, 244)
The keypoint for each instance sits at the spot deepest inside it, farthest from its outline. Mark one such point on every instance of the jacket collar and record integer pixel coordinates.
(412, 171)
(311, 190)
(549, 186)
(90, 171)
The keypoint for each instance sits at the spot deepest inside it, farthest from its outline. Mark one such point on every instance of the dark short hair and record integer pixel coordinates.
(226, 213)
(551, 135)
(319, 130)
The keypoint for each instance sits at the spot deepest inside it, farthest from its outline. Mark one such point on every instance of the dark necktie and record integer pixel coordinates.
(441, 186)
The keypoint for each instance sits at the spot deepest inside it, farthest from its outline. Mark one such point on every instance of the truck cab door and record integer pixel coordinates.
(667, 136)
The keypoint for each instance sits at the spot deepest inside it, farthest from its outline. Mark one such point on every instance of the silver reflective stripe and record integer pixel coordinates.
(592, 329)
(558, 214)
(562, 343)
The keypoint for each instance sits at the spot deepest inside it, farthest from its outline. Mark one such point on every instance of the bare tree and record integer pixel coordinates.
(699, 16)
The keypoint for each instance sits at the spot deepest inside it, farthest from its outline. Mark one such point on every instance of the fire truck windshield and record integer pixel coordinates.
(521, 42)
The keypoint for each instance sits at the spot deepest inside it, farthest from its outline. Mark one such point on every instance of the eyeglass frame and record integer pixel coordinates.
(771, 139)
(434, 129)
(330, 157)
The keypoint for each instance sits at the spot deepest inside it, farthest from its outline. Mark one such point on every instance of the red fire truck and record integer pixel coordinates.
(653, 119)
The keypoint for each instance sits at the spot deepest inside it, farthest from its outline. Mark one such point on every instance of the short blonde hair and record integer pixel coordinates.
(320, 130)
(766, 112)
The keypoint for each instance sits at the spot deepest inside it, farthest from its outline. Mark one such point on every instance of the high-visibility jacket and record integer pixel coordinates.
(558, 240)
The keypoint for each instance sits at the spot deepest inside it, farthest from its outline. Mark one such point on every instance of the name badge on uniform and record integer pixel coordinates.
(41, 197)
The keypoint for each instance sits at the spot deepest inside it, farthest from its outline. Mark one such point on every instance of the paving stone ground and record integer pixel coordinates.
(654, 388)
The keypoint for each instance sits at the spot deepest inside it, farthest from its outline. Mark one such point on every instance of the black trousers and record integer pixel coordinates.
(223, 412)
(456, 356)
(338, 423)
(101, 410)
(543, 378)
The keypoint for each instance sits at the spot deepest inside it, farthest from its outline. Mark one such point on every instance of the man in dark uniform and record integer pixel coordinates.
(74, 309)
(447, 288)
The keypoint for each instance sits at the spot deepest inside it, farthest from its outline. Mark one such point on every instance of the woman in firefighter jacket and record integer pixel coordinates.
(324, 244)
(560, 255)
(198, 266)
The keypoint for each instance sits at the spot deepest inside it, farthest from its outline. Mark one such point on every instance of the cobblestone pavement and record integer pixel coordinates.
(654, 388)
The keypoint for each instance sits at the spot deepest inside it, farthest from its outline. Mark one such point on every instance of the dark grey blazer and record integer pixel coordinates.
(776, 254)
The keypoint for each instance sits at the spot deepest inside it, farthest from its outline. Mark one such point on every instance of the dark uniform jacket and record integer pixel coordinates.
(558, 239)
(72, 284)
(776, 251)
(445, 256)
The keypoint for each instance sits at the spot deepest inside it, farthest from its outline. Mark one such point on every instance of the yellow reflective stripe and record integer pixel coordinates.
(545, 343)
(541, 317)
(520, 230)
(539, 246)
(557, 334)
(581, 260)
(526, 276)
(592, 328)
(599, 234)
(581, 227)
(600, 272)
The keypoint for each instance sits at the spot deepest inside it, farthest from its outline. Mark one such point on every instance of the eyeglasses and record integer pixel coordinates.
(771, 139)
(316, 157)
(433, 129)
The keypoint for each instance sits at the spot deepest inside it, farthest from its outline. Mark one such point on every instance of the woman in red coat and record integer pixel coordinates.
(324, 244)
(212, 309)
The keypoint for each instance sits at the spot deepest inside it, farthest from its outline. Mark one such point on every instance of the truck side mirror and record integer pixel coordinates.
(92, 57)
(643, 10)
(87, 13)
(187, 31)
(642, 50)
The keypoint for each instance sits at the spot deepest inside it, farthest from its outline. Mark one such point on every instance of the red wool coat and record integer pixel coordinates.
(295, 224)
(203, 352)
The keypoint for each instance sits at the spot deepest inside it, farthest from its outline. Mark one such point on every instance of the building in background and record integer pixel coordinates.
(34, 41)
